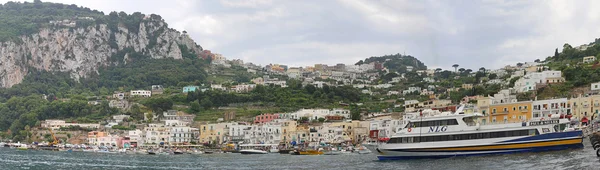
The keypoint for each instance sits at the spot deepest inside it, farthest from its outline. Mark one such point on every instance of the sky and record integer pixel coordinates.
(473, 34)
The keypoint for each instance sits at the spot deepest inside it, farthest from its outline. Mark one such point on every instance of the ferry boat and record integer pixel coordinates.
(457, 134)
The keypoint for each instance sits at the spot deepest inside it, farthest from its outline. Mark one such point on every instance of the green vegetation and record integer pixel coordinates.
(396, 62)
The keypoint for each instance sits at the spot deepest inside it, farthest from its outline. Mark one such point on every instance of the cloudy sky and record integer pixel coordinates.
(489, 33)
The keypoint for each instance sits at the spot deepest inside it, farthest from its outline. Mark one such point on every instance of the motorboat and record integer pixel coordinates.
(252, 151)
(457, 134)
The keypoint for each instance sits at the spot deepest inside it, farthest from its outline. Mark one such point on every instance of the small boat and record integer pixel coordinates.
(150, 152)
(285, 151)
(22, 147)
(308, 152)
(252, 151)
(196, 152)
(209, 152)
(274, 150)
(332, 153)
(177, 152)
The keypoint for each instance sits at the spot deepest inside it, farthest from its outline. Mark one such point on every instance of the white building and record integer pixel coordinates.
(135, 137)
(543, 108)
(156, 134)
(57, 124)
(411, 90)
(504, 96)
(393, 93)
(428, 80)
(319, 84)
(143, 93)
(595, 86)
(183, 134)
(217, 87)
(269, 133)
(120, 118)
(382, 86)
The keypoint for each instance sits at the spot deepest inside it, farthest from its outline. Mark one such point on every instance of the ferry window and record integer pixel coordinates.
(417, 139)
(410, 139)
(437, 138)
(444, 138)
(404, 140)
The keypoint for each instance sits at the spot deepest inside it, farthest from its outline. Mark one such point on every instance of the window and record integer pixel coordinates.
(493, 110)
(505, 109)
(470, 136)
(514, 108)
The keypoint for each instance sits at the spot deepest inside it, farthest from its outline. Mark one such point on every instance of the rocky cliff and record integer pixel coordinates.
(83, 50)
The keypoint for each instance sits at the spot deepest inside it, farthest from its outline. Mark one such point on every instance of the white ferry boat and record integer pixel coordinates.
(456, 134)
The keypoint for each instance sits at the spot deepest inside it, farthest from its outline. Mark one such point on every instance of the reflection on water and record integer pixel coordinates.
(568, 159)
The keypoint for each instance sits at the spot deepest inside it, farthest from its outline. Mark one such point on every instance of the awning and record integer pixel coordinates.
(584, 120)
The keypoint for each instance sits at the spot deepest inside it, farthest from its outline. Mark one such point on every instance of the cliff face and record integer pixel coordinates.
(81, 51)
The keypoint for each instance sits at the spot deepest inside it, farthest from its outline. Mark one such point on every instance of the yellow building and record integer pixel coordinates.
(213, 133)
(288, 129)
(585, 107)
(510, 112)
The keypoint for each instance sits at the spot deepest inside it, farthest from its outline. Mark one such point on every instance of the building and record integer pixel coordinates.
(135, 137)
(243, 88)
(183, 135)
(119, 96)
(545, 108)
(467, 86)
(504, 96)
(119, 104)
(589, 59)
(585, 107)
(143, 93)
(178, 115)
(57, 124)
(595, 86)
(188, 89)
(510, 112)
(411, 90)
(120, 118)
(156, 134)
(229, 116)
(264, 118)
(157, 89)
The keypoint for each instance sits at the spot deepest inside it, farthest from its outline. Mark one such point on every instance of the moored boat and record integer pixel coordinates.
(451, 135)
(252, 151)
(307, 152)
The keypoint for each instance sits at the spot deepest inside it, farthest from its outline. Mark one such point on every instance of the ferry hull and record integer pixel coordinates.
(545, 142)
(437, 155)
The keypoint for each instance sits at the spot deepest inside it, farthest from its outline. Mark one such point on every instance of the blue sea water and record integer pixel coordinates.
(556, 160)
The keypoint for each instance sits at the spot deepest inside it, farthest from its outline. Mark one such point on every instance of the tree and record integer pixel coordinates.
(136, 112)
(492, 76)
(556, 53)
(455, 66)
(538, 60)
(461, 70)
(195, 106)
(519, 64)
(321, 119)
(482, 69)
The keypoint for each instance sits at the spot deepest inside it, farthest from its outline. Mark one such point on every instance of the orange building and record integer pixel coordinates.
(510, 112)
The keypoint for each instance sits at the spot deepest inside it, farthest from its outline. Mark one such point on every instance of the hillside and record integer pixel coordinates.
(79, 41)
(396, 62)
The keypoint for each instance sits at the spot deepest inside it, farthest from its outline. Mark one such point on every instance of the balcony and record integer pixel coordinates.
(500, 113)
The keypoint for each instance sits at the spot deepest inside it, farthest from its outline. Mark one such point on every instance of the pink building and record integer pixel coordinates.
(124, 142)
(263, 118)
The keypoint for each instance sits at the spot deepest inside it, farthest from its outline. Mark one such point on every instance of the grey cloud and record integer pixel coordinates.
(489, 33)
